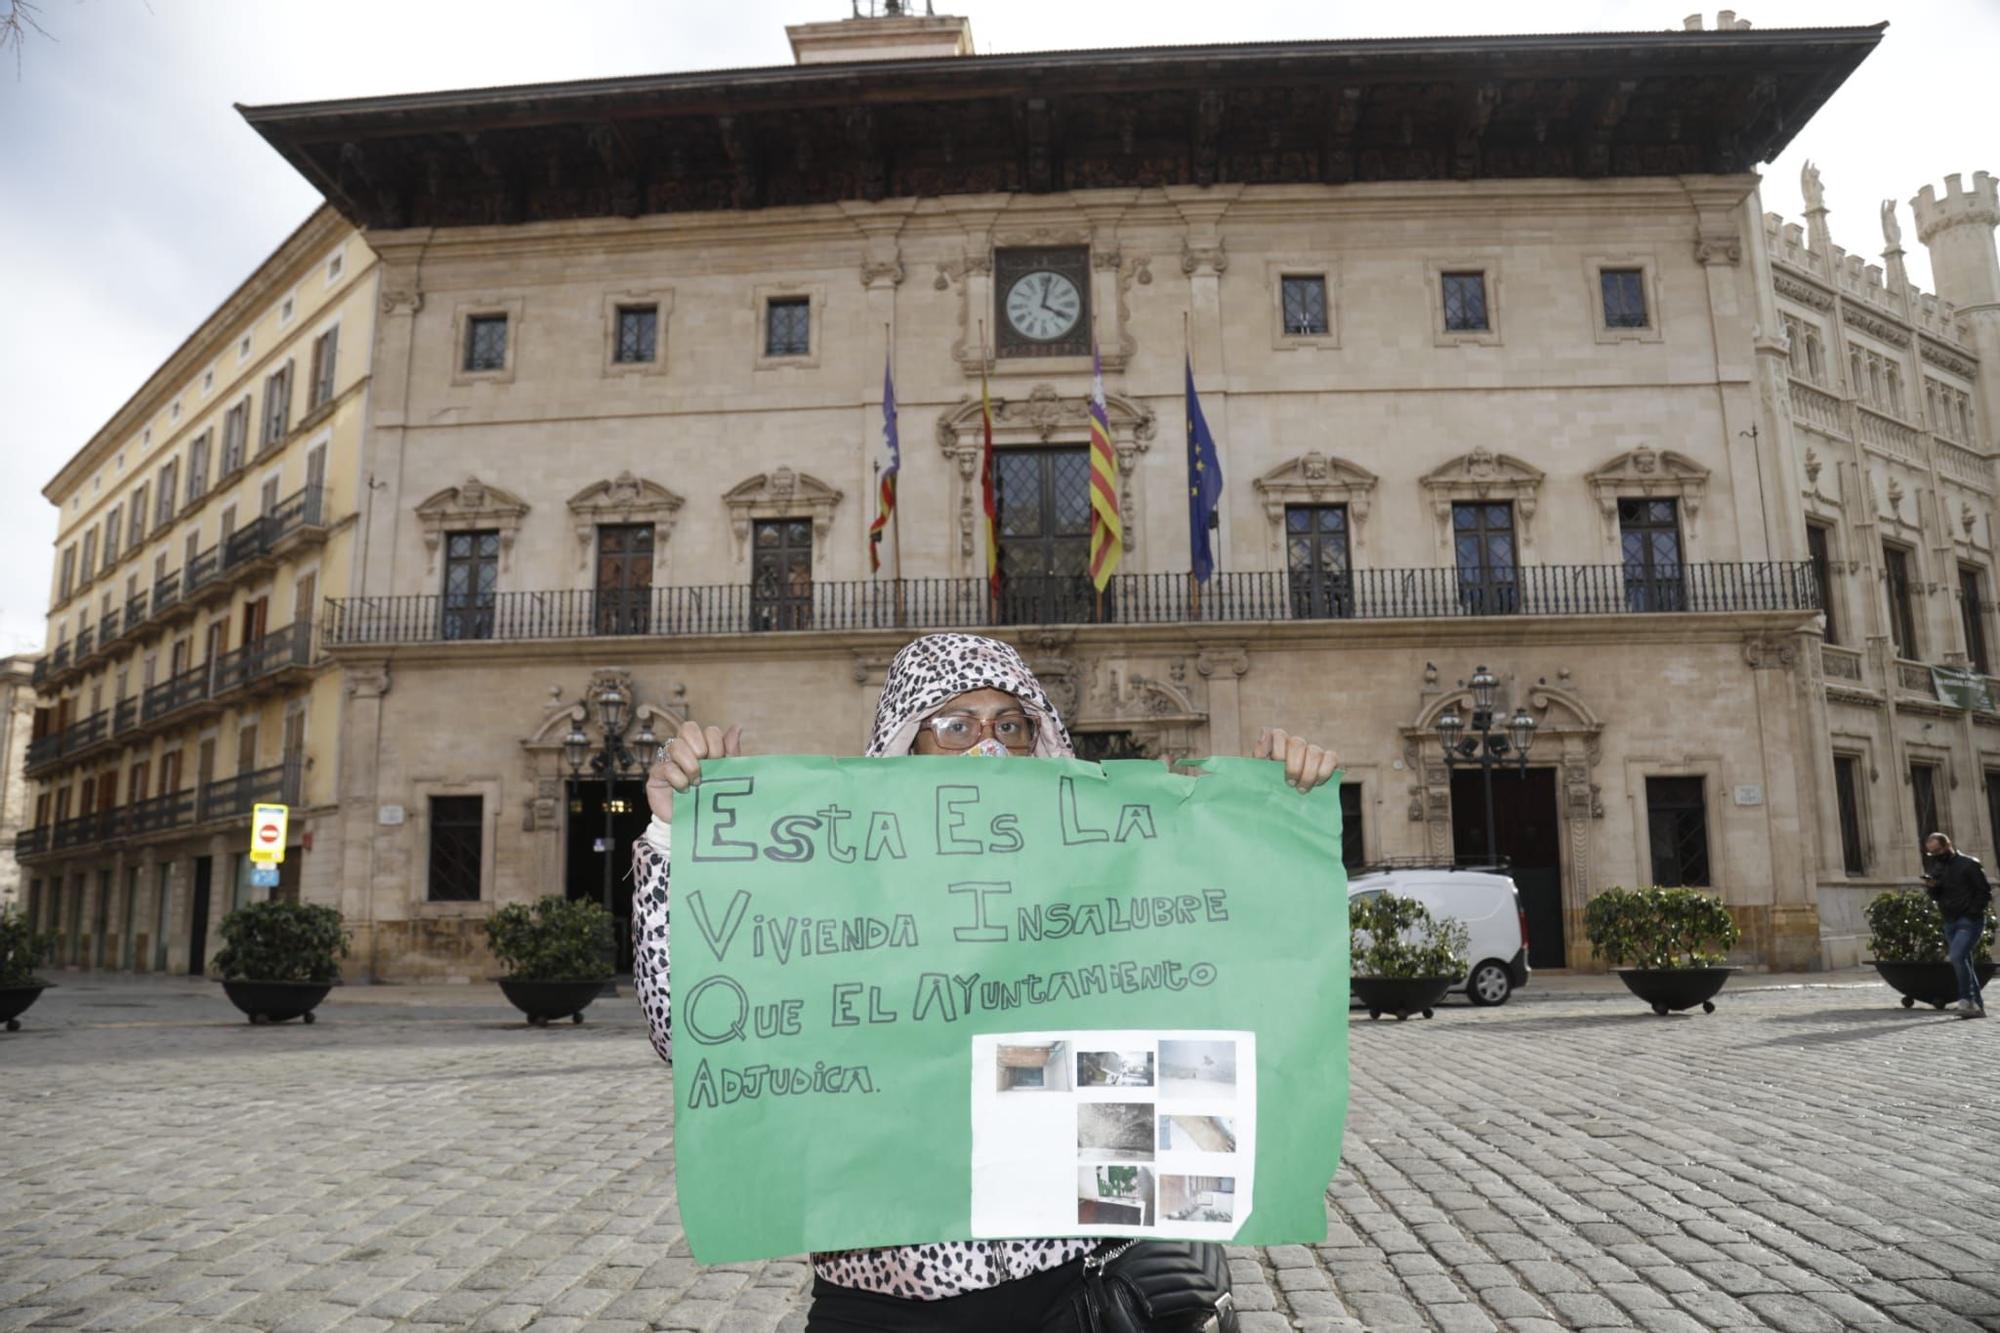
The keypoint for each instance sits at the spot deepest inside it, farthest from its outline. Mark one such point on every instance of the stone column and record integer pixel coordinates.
(1223, 667)
(360, 798)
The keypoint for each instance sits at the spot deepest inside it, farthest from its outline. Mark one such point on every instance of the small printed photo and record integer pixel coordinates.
(1197, 1133)
(1115, 1196)
(1198, 1198)
(1114, 1069)
(1041, 1067)
(1114, 1131)
(1197, 1069)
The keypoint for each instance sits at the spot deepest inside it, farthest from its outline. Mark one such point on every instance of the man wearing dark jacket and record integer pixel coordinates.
(1957, 884)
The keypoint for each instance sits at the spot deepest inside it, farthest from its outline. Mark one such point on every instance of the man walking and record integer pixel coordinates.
(1957, 884)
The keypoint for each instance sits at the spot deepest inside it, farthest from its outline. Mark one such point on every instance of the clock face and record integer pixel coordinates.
(1043, 305)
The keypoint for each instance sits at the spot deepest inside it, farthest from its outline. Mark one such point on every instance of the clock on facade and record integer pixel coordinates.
(1043, 294)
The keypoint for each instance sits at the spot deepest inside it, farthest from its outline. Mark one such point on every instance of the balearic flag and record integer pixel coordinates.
(1107, 538)
(986, 497)
(1204, 484)
(887, 504)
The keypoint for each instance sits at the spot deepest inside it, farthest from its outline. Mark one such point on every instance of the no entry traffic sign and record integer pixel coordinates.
(267, 834)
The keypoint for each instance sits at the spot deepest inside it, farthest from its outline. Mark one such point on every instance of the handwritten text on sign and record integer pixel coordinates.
(846, 929)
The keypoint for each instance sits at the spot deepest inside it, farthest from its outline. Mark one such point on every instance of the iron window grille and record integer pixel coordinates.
(486, 342)
(1677, 819)
(638, 334)
(1624, 297)
(1465, 302)
(1305, 305)
(788, 326)
(455, 848)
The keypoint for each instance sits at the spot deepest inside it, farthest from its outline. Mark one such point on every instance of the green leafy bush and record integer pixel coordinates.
(1398, 938)
(22, 950)
(1905, 926)
(557, 939)
(1659, 929)
(279, 941)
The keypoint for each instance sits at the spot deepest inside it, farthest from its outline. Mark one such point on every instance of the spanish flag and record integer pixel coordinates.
(886, 503)
(1107, 537)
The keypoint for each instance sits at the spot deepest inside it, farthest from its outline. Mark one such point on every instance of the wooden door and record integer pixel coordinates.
(246, 749)
(624, 577)
(254, 614)
(305, 599)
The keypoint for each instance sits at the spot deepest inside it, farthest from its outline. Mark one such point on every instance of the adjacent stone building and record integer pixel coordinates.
(1887, 393)
(197, 533)
(17, 718)
(1488, 331)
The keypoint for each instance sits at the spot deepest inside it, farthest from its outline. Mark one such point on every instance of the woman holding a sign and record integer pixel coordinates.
(946, 694)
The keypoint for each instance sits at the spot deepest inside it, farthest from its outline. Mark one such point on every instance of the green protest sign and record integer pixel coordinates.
(921, 999)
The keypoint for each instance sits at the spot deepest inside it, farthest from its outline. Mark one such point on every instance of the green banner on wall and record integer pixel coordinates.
(923, 999)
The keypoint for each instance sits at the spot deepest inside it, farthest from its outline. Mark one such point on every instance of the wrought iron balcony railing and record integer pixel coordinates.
(1131, 599)
(227, 799)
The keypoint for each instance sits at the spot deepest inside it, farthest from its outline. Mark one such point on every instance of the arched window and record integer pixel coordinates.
(1796, 337)
(1875, 381)
(1895, 391)
(1815, 358)
(1859, 382)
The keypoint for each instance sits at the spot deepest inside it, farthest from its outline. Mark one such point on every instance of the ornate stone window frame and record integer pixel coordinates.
(1327, 270)
(461, 316)
(420, 903)
(1037, 419)
(761, 296)
(1487, 265)
(623, 499)
(1654, 474)
(469, 507)
(662, 301)
(1484, 475)
(783, 492)
(1314, 478)
(1649, 270)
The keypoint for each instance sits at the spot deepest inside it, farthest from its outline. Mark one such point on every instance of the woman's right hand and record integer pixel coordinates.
(680, 769)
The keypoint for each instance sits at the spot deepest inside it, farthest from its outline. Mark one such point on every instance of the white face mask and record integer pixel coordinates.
(989, 748)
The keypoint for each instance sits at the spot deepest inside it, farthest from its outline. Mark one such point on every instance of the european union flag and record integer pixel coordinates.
(1204, 484)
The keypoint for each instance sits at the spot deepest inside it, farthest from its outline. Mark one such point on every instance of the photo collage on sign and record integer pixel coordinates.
(1121, 1133)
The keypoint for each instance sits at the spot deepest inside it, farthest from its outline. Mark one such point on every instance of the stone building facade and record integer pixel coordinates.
(1887, 393)
(197, 533)
(1488, 332)
(17, 718)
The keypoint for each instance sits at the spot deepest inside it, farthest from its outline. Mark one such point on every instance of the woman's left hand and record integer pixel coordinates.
(1306, 765)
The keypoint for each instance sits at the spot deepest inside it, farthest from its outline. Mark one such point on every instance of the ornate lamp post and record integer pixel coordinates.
(1484, 743)
(610, 759)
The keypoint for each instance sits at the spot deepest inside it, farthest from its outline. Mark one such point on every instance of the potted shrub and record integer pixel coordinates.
(278, 959)
(1906, 937)
(1670, 946)
(1403, 959)
(557, 953)
(21, 952)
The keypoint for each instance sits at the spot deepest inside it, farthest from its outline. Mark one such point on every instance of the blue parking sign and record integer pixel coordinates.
(263, 877)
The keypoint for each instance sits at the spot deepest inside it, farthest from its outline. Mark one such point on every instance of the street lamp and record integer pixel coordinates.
(1485, 743)
(610, 759)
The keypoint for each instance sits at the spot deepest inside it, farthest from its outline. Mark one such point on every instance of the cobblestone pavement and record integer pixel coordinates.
(1803, 1159)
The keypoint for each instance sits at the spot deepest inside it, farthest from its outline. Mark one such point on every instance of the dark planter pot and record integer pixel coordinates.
(544, 1001)
(1671, 991)
(1928, 983)
(14, 1001)
(1401, 996)
(277, 1001)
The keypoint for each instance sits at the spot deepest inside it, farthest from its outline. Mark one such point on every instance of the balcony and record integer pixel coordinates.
(176, 694)
(68, 743)
(1131, 599)
(40, 676)
(201, 580)
(1885, 434)
(166, 595)
(295, 523)
(226, 801)
(279, 658)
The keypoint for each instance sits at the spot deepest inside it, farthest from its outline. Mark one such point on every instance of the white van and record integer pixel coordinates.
(1489, 907)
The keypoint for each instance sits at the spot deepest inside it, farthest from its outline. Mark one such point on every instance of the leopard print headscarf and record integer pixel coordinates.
(933, 670)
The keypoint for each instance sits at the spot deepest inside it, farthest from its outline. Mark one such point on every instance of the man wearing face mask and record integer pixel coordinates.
(1957, 884)
(944, 694)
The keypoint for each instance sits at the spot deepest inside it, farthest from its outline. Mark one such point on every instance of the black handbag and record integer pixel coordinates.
(1151, 1286)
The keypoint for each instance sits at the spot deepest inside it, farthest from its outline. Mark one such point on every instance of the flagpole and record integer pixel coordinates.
(1095, 521)
(985, 438)
(895, 510)
(1187, 423)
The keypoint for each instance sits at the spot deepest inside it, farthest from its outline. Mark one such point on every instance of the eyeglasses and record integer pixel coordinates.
(962, 731)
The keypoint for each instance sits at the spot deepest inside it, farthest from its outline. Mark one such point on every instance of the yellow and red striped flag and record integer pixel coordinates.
(1107, 536)
(986, 496)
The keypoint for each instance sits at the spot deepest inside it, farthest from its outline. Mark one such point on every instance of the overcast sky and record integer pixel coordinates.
(133, 198)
